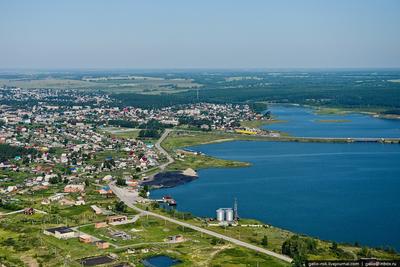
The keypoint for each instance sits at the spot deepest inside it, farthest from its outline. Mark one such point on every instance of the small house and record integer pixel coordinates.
(117, 218)
(102, 244)
(62, 232)
(29, 211)
(100, 225)
(85, 239)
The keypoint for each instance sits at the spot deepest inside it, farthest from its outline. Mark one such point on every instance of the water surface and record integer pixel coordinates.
(304, 122)
(342, 192)
(160, 261)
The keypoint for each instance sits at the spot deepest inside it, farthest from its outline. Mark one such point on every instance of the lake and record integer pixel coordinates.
(160, 261)
(305, 123)
(345, 192)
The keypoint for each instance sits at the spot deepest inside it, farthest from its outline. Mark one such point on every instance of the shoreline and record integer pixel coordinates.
(170, 179)
(324, 110)
(228, 137)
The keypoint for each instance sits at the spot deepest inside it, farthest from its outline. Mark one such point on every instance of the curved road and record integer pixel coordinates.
(162, 150)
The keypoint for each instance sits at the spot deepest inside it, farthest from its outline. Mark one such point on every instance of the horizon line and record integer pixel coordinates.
(5, 69)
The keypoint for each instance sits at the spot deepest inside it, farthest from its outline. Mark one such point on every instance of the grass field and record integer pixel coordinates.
(49, 83)
(143, 85)
(276, 237)
(196, 250)
(332, 121)
(259, 123)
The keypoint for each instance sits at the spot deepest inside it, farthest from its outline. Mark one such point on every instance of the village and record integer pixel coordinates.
(75, 144)
(61, 160)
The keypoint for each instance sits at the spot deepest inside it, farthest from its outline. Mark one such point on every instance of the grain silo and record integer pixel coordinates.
(229, 215)
(220, 215)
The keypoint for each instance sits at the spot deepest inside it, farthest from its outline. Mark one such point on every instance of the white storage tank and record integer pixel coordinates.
(220, 215)
(229, 215)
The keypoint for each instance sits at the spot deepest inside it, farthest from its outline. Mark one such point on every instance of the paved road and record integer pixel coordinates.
(21, 211)
(162, 150)
(127, 198)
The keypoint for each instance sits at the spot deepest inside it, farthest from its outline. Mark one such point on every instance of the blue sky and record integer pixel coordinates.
(199, 34)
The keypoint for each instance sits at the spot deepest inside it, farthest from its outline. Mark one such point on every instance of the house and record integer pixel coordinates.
(66, 202)
(100, 225)
(85, 239)
(57, 196)
(29, 211)
(12, 188)
(80, 202)
(117, 218)
(107, 178)
(45, 202)
(105, 190)
(62, 232)
(96, 209)
(132, 183)
(102, 244)
(175, 238)
(74, 188)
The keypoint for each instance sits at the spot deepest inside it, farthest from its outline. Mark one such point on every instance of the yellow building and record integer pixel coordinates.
(245, 131)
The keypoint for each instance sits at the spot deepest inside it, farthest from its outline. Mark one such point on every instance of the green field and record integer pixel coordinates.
(259, 123)
(130, 84)
(277, 236)
(332, 121)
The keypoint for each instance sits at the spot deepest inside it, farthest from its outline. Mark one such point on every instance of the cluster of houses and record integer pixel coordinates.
(64, 232)
(72, 147)
(68, 145)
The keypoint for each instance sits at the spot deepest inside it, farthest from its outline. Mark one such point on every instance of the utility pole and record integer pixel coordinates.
(235, 210)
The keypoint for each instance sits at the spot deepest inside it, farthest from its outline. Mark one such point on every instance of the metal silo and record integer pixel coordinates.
(220, 215)
(229, 215)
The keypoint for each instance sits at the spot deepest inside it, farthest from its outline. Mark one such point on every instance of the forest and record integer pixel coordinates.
(329, 89)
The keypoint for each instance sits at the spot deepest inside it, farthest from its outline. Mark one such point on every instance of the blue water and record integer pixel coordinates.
(303, 122)
(342, 192)
(160, 261)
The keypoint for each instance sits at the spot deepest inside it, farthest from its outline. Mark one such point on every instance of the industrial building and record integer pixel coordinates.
(225, 215)
(228, 215)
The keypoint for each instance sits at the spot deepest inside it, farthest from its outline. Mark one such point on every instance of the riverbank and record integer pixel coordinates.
(185, 159)
(177, 140)
(256, 232)
(170, 179)
(375, 112)
(259, 123)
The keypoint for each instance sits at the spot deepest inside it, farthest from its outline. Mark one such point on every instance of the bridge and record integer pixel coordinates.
(335, 139)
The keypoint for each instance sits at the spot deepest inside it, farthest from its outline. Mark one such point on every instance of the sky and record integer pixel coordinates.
(171, 34)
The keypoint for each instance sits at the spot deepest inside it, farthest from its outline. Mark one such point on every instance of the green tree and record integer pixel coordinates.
(364, 252)
(143, 191)
(54, 180)
(120, 206)
(311, 244)
(264, 241)
(334, 246)
(121, 181)
(299, 261)
(296, 247)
